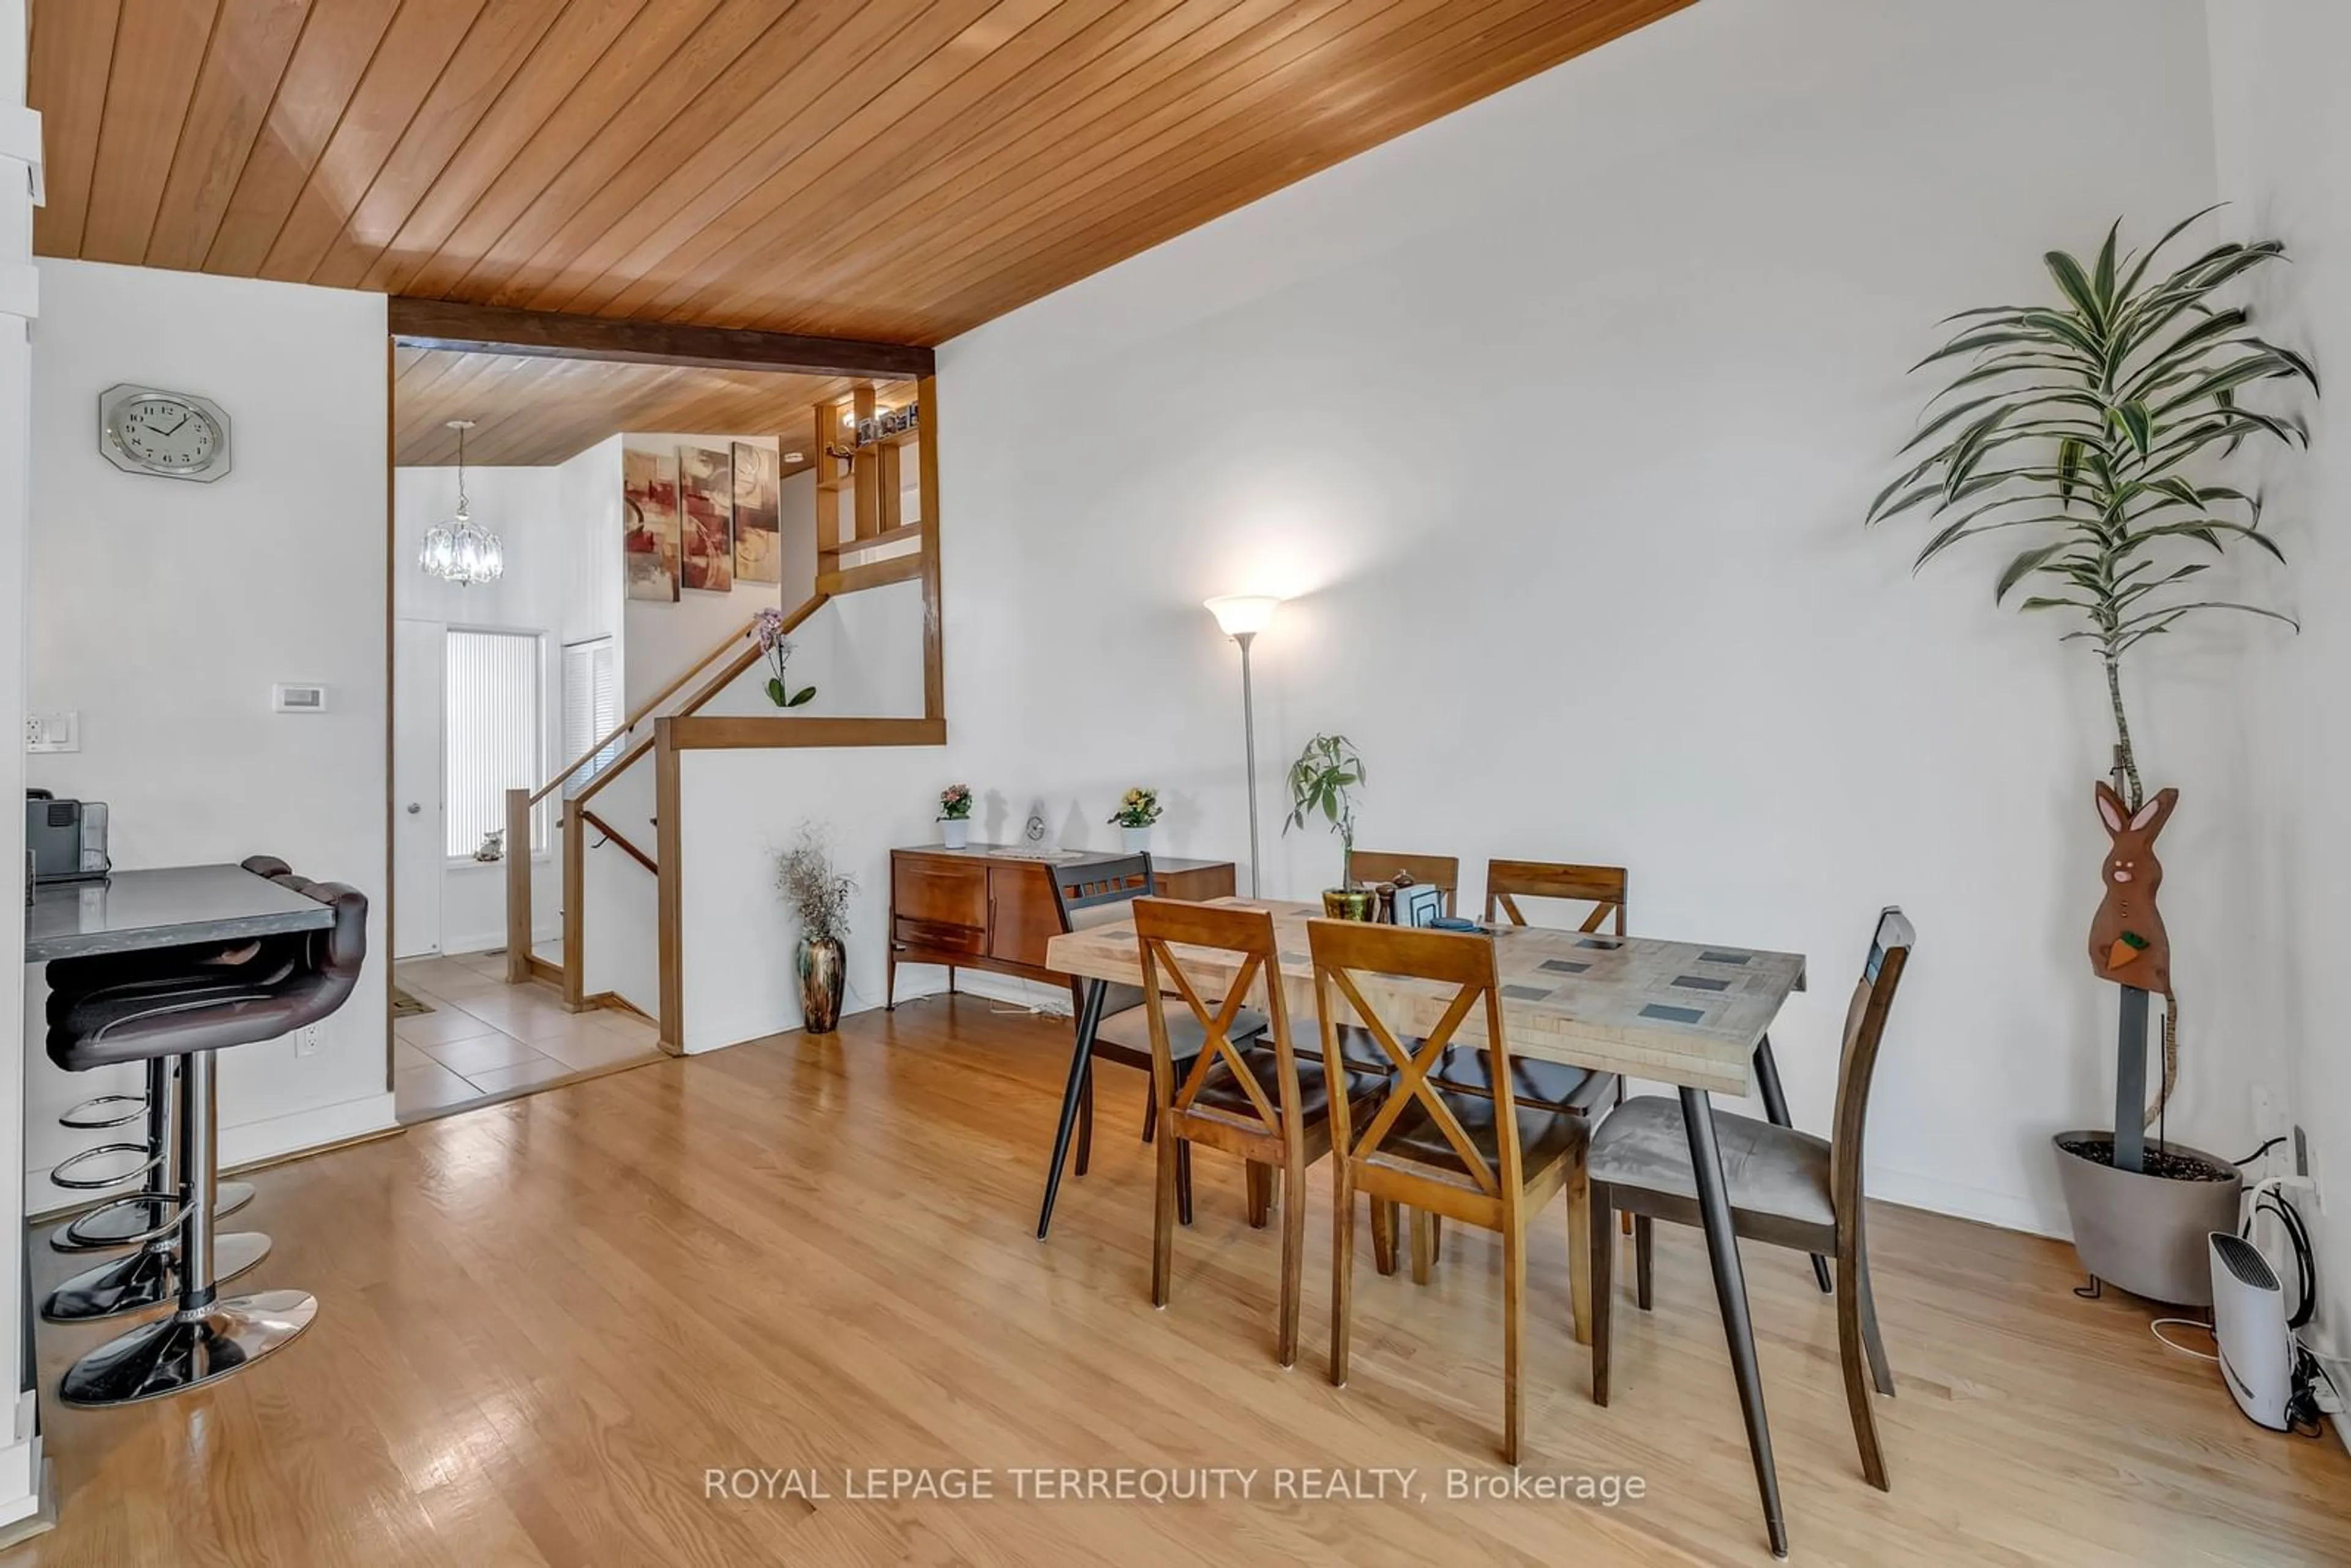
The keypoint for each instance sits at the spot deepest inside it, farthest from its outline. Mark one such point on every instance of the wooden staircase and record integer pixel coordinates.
(850, 558)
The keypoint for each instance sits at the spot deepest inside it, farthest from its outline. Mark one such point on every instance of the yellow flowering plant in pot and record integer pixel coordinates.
(1137, 809)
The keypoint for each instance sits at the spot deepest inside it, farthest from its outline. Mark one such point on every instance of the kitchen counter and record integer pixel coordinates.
(169, 908)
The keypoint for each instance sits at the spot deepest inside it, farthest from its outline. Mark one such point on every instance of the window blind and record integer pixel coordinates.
(592, 706)
(494, 734)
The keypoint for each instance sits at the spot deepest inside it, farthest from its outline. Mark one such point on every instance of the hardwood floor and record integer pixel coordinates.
(543, 1321)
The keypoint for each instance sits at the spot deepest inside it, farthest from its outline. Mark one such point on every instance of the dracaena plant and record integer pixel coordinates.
(2090, 430)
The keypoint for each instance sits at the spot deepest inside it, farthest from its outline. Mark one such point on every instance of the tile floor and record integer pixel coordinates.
(487, 1039)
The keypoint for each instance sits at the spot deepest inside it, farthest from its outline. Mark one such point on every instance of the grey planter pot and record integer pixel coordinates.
(2143, 1232)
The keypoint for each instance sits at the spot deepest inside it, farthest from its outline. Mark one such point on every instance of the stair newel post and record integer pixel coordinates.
(518, 851)
(575, 907)
(668, 790)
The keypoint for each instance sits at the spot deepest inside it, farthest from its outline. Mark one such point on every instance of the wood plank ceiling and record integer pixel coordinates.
(531, 411)
(899, 171)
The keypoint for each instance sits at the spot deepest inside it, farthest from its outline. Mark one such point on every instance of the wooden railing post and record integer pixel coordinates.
(575, 907)
(926, 470)
(517, 886)
(670, 900)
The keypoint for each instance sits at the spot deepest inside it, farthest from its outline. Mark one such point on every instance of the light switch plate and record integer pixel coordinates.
(57, 731)
(298, 696)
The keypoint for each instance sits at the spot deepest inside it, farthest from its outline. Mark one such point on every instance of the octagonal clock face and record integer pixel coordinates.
(176, 436)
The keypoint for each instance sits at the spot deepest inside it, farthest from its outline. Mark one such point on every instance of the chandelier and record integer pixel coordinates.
(461, 550)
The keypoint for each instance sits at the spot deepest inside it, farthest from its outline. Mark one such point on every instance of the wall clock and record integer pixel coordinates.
(146, 430)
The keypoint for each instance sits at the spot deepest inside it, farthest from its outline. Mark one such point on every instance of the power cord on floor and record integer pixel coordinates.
(2156, 1327)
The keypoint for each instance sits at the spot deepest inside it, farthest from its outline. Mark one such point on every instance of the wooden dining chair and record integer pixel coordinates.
(1252, 1099)
(1601, 886)
(1092, 892)
(1553, 1085)
(1788, 1189)
(1485, 1160)
(1441, 872)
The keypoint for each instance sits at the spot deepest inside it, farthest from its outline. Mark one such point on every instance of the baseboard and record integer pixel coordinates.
(254, 1143)
(1032, 995)
(2007, 1210)
(465, 947)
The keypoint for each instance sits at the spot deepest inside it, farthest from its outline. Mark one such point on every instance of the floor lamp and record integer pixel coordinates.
(1242, 616)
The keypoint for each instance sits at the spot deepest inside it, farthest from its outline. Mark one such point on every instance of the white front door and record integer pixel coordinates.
(420, 850)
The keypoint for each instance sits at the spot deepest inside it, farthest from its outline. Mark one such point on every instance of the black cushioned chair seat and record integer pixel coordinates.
(1543, 1135)
(1469, 1068)
(1131, 1030)
(1361, 1050)
(1223, 1092)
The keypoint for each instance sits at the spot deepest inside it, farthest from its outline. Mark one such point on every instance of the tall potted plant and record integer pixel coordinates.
(819, 893)
(2089, 430)
(1322, 782)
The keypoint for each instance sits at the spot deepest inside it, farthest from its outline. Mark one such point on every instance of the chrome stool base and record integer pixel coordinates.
(146, 1278)
(188, 1348)
(104, 1230)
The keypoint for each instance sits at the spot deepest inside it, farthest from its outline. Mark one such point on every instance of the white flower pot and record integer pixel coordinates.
(955, 831)
(1135, 840)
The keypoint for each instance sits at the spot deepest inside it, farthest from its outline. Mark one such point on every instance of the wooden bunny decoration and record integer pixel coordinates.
(2127, 945)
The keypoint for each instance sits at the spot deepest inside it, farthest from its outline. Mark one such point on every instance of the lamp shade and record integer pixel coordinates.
(1242, 614)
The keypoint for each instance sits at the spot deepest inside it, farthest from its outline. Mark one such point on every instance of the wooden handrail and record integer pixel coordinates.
(643, 710)
(726, 675)
(616, 836)
(728, 734)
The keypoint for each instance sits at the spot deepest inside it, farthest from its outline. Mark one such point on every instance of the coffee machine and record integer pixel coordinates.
(65, 840)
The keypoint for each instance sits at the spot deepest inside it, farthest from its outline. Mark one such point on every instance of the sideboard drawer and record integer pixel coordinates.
(934, 936)
(939, 892)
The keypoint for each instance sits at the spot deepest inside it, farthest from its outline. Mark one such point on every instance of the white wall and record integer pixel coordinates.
(2284, 136)
(167, 608)
(523, 508)
(20, 148)
(1558, 418)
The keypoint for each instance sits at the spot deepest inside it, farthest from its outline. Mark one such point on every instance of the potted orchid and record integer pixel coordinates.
(767, 630)
(954, 816)
(1137, 809)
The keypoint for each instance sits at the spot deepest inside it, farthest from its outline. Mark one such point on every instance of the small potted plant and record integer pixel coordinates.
(954, 816)
(767, 629)
(819, 894)
(1137, 809)
(1322, 781)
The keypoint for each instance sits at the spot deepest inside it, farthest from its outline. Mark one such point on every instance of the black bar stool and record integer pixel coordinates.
(159, 1008)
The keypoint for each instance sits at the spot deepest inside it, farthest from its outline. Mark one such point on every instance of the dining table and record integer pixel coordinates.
(1696, 1016)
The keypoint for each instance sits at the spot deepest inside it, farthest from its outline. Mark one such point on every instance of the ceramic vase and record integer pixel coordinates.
(821, 963)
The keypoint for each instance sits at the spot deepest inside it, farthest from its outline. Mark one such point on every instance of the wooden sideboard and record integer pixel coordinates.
(990, 907)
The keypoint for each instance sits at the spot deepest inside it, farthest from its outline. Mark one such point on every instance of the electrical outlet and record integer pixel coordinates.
(58, 731)
(306, 1042)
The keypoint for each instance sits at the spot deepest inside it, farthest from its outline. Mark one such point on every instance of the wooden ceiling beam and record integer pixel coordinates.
(547, 334)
